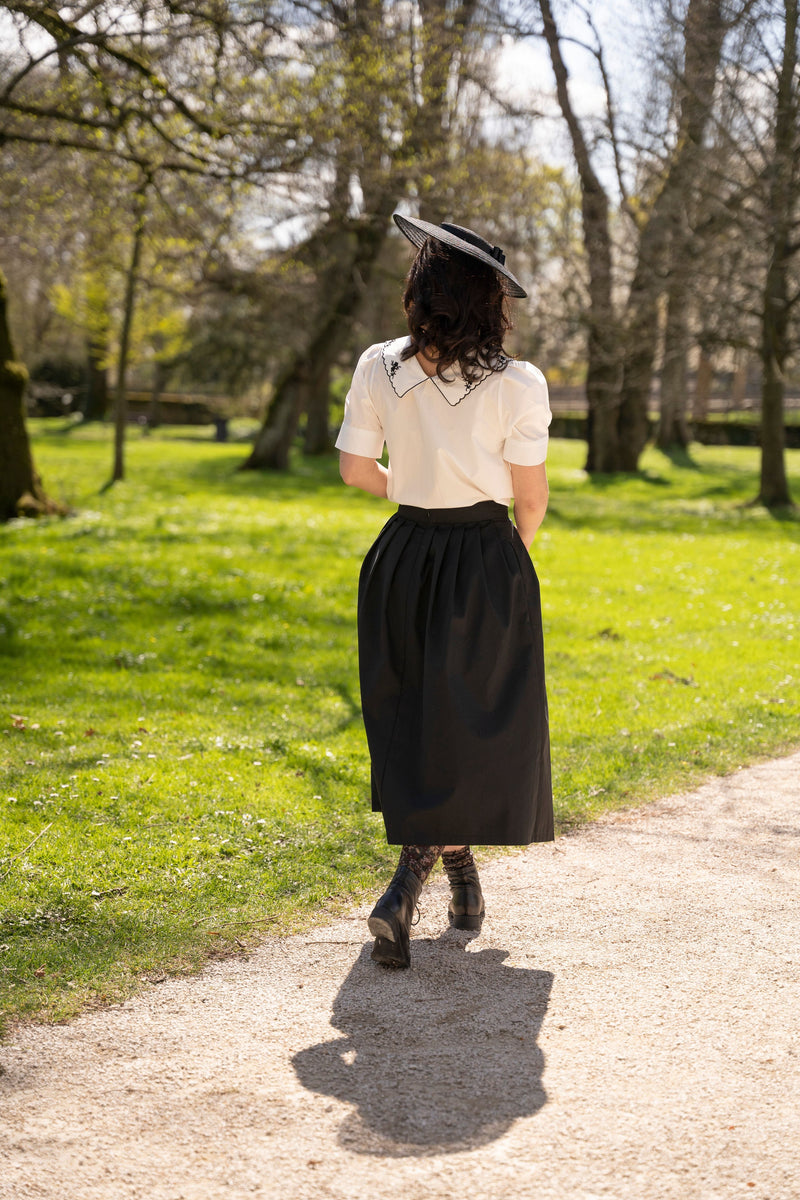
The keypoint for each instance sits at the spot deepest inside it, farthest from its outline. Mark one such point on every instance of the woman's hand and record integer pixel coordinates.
(530, 499)
(364, 473)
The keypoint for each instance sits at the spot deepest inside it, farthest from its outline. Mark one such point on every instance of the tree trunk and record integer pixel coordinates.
(21, 491)
(345, 251)
(121, 400)
(673, 432)
(353, 267)
(442, 31)
(429, 119)
(774, 486)
(95, 405)
(602, 394)
(704, 382)
(160, 376)
(602, 375)
(641, 339)
(317, 439)
(274, 439)
(738, 388)
(664, 242)
(353, 246)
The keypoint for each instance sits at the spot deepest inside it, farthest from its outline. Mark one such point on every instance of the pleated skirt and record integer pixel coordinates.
(451, 665)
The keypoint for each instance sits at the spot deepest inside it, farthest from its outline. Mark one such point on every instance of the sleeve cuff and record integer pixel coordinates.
(366, 442)
(524, 453)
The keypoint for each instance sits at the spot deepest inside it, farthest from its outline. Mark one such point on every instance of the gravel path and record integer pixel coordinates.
(625, 1026)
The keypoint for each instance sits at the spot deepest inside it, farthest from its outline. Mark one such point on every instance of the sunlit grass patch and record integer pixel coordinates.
(179, 693)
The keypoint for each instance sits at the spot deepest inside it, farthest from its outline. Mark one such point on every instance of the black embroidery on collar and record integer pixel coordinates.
(463, 396)
(392, 370)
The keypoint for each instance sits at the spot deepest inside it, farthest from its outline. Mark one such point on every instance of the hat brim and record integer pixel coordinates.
(418, 232)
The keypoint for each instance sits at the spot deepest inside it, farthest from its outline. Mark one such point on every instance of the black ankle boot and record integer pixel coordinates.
(390, 919)
(466, 909)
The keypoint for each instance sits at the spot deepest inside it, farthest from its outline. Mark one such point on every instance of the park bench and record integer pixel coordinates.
(172, 408)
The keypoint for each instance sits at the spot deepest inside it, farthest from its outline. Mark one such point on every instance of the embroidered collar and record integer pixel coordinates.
(405, 374)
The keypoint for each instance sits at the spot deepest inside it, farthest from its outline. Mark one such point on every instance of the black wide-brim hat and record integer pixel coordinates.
(464, 240)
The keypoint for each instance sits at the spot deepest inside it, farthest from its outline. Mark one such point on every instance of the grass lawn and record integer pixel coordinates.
(179, 711)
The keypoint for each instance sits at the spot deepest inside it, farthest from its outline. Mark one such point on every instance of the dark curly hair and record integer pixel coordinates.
(455, 307)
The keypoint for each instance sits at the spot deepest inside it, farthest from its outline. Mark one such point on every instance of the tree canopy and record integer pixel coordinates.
(206, 190)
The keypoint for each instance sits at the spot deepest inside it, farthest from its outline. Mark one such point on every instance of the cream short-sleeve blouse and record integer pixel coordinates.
(450, 444)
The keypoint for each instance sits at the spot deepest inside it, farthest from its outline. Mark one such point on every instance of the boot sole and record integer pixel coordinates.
(382, 927)
(389, 953)
(467, 921)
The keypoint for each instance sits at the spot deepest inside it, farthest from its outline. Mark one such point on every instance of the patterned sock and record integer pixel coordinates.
(456, 860)
(419, 859)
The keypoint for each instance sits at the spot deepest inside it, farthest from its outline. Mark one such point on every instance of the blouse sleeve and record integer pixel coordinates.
(361, 432)
(526, 415)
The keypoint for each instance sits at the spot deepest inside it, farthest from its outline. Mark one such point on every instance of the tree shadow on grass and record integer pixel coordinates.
(616, 480)
(785, 514)
(223, 471)
(438, 1059)
(649, 501)
(680, 456)
(218, 467)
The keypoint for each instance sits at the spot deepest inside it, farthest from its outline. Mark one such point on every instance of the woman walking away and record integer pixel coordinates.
(449, 619)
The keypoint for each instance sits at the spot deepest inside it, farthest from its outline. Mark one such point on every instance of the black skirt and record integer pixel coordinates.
(452, 680)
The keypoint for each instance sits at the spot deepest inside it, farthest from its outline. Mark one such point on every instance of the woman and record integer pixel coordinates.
(449, 619)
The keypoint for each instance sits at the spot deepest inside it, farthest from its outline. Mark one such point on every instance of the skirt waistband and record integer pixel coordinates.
(485, 510)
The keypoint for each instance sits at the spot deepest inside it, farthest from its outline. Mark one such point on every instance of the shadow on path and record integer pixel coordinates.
(437, 1059)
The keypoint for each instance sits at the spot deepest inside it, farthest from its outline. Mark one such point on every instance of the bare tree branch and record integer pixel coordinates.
(67, 34)
(597, 52)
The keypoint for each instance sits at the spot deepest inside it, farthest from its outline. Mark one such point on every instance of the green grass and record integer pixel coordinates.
(179, 712)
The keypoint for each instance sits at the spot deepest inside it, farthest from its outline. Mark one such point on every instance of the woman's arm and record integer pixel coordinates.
(530, 499)
(364, 473)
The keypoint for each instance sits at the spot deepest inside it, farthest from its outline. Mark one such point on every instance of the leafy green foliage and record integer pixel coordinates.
(179, 712)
